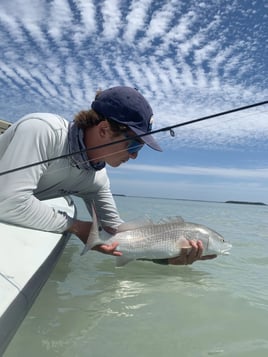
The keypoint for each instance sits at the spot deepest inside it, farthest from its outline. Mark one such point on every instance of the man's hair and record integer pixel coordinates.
(89, 118)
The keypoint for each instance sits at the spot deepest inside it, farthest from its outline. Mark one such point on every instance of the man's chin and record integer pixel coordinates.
(114, 164)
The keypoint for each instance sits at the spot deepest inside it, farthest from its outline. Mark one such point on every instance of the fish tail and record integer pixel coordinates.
(93, 237)
(121, 261)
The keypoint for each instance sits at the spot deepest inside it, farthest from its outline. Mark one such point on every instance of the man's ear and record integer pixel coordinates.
(103, 128)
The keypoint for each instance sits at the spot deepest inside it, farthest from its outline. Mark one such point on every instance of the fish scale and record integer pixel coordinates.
(157, 241)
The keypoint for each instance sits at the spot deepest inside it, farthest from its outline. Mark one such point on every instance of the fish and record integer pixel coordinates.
(162, 240)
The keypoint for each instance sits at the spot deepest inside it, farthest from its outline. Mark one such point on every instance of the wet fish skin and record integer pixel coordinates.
(158, 241)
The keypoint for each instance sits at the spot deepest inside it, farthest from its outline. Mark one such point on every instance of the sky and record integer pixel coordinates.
(188, 58)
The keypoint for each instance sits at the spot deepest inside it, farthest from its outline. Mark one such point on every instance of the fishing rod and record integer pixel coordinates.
(167, 128)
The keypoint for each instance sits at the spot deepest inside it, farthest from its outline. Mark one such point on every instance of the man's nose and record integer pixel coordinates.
(133, 156)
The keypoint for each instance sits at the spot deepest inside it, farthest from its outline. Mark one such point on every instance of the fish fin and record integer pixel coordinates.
(176, 219)
(93, 237)
(121, 261)
(131, 225)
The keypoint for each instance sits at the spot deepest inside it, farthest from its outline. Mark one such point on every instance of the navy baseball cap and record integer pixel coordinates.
(127, 106)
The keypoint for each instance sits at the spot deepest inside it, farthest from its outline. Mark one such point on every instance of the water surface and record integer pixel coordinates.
(220, 307)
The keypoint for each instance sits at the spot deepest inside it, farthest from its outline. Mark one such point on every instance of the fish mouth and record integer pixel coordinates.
(226, 250)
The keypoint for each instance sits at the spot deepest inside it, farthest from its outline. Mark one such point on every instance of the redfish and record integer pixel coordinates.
(157, 241)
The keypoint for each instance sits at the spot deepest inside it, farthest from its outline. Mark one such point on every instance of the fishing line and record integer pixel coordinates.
(241, 117)
(167, 128)
(170, 128)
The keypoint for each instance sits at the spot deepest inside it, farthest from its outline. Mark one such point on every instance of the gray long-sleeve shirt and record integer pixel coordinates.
(37, 137)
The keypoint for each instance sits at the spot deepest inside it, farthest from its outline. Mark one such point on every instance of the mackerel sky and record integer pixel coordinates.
(188, 58)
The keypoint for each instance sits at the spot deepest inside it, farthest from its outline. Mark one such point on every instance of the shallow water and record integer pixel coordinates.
(220, 307)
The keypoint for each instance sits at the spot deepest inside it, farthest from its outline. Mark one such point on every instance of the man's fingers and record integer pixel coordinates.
(194, 254)
(108, 249)
(196, 251)
(183, 258)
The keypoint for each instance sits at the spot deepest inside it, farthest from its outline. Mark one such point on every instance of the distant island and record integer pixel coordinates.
(185, 199)
(247, 203)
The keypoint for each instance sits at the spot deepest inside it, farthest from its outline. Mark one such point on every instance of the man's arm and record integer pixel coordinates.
(29, 141)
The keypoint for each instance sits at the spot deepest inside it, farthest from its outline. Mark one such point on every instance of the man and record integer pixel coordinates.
(116, 114)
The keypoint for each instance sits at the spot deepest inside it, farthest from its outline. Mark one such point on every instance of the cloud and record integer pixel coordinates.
(189, 59)
(111, 19)
(230, 172)
(136, 19)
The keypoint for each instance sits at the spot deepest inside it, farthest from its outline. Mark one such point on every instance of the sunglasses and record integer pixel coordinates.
(134, 145)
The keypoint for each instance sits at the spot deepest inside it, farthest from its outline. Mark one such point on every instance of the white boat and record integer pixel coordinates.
(4, 125)
(27, 257)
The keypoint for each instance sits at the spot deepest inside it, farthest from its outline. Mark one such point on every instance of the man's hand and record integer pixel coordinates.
(109, 249)
(81, 229)
(194, 255)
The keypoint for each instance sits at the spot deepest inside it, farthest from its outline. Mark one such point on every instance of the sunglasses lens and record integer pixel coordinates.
(134, 146)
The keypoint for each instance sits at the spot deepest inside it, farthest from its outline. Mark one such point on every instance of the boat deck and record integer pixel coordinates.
(27, 257)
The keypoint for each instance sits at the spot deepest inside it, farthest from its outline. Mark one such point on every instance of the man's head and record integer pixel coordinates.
(126, 106)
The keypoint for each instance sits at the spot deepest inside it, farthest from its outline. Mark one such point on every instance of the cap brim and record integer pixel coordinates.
(148, 139)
